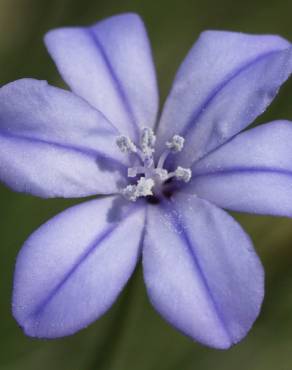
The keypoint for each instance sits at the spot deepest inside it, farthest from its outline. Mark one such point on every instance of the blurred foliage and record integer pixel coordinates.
(131, 335)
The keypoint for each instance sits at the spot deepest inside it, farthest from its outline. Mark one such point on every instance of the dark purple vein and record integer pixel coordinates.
(241, 170)
(97, 242)
(183, 235)
(116, 82)
(196, 115)
(92, 154)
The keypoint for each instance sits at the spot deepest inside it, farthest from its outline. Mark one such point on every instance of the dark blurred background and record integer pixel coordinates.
(131, 336)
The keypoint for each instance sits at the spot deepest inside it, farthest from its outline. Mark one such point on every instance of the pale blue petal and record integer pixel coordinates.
(52, 143)
(224, 83)
(201, 271)
(251, 173)
(71, 270)
(110, 65)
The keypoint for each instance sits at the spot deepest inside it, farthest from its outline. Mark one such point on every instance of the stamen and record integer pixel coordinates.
(148, 140)
(142, 189)
(126, 145)
(162, 158)
(129, 192)
(184, 174)
(152, 176)
(161, 173)
(176, 144)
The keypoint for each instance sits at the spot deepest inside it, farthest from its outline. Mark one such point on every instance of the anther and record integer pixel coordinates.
(126, 145)
(129, 192)
(184, 174)
(176, 144)
(142, 189)
(148, 140)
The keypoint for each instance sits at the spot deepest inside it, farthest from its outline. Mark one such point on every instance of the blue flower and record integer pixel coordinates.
(163, 185)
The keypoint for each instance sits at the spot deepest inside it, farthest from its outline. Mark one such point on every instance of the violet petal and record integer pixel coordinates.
(71, 270)
(251, 173)
(110, 65)
(54, 144)
(201, 271)
(224, 83)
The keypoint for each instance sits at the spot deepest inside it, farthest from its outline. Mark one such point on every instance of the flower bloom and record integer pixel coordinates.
(164, 185)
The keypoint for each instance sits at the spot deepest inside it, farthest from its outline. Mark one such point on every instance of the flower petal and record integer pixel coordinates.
(110, 65)
(201, 272)
(224, 83)
(251, 173)
(71, 270)
(52, 143)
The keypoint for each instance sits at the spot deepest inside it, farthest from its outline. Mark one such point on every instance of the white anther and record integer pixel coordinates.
(176, 144)
(147, 140)
(126, 145)
(144, 187)
(130, 192)
(161, 173)
(184, 174)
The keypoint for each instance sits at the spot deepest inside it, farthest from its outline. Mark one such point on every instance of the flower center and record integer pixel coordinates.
(152, 175)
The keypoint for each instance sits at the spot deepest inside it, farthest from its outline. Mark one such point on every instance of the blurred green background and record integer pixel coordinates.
(131, 336)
